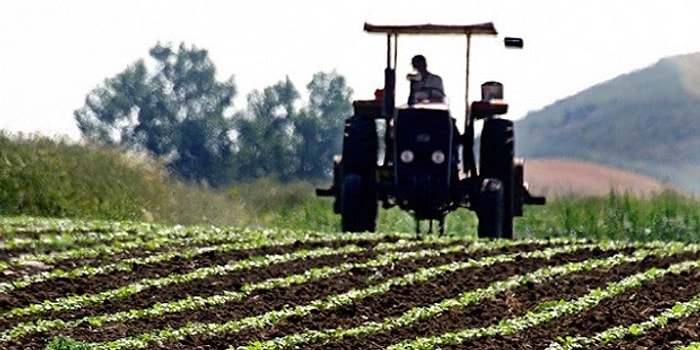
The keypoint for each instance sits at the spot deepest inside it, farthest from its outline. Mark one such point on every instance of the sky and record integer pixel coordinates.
(53, 53)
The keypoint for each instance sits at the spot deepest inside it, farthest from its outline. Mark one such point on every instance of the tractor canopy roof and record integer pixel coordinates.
(482, 28)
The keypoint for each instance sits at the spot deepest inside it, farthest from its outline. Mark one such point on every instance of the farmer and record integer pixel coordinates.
(425, 86)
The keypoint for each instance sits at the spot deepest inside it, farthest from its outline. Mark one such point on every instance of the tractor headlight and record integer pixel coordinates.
(438, 157)
(407, 156)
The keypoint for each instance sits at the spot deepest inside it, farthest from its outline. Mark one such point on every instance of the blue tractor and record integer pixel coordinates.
(419, 161)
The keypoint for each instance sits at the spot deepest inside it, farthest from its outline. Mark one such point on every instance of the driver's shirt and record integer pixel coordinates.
(428, 88)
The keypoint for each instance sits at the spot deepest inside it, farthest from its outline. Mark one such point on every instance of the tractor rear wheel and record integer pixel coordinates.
(496, 161)
(358, 204)
(489, 209)
(358, 196)
(360, 146)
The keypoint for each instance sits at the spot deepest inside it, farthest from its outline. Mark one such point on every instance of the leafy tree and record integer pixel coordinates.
(265, 142)
(178, 113)
(319, 126)
(277, 139)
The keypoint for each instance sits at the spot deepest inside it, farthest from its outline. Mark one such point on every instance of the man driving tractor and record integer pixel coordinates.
(425, 86)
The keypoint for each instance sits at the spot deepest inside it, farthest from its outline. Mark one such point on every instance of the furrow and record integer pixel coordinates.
(168, 335)
(377, 333)
(548, 312)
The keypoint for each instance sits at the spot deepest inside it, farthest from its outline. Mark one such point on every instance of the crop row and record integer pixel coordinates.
(467, 298)
(547, 313)
(107, 237)
(128, 264)
(678, 311)
(42, 234)
(18, 225)
(311, 262)
(171, 239)
(259, 321)
(78, 301)
(191, 303)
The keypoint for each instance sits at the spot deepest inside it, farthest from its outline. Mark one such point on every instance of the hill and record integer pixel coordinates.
(644, 121)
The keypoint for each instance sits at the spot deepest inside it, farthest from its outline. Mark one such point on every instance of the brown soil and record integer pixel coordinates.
(560, 176)
(630, 307)
(257, 303)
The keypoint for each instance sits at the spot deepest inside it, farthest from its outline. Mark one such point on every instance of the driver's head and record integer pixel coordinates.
(418, 62)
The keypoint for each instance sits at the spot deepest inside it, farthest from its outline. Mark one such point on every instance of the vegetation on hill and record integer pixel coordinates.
(46, 177)
(645, 121)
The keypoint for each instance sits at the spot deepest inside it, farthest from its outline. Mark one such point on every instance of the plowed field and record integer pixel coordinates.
(131, 286)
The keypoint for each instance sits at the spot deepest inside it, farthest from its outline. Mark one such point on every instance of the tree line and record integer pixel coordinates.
(180, 113)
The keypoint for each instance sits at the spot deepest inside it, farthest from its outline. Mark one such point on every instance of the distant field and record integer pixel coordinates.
(119, 285)
(561, 176)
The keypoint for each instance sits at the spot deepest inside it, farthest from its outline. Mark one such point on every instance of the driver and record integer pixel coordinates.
(425, 86)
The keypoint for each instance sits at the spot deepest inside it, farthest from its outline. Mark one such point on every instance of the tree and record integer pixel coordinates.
(319, 126)
(274, 138)
(178, 113)
(265, 143)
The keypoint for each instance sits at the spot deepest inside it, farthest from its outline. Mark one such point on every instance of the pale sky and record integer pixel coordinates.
(53, 53)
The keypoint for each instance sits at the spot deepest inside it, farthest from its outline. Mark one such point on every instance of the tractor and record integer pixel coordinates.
(419, 161)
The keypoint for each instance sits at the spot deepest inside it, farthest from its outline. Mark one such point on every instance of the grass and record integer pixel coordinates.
(40, 176)
(55, 178)
(667, 215)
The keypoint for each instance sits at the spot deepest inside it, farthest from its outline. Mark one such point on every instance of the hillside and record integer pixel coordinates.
(645, 121)
(58, 178)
